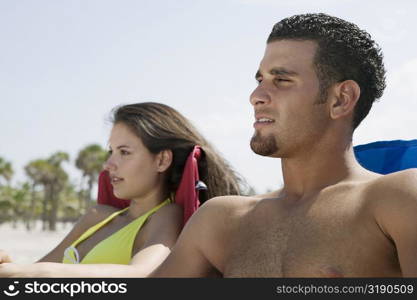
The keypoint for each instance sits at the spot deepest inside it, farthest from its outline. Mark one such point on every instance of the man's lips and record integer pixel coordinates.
(262, 121)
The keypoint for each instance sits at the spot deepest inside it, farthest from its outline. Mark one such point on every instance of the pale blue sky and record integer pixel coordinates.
(64, 64)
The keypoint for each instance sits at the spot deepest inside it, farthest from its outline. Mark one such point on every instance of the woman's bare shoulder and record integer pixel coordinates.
(168, 214)
(96, 214)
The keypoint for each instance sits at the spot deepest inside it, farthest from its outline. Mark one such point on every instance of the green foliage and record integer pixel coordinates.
(90, 161)
(14, 203)
(6, 171)
(52, 178)
(48, 195)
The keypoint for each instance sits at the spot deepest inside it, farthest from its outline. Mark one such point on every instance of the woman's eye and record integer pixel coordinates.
(124, 152)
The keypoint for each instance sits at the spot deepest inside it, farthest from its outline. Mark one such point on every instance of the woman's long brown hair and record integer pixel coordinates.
(161, 127)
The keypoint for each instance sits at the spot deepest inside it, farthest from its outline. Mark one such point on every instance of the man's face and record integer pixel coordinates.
(287, 115)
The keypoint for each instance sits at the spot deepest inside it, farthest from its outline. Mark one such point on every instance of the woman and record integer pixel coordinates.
(150, 146)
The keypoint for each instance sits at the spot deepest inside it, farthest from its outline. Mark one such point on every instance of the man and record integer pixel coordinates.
(332, 218)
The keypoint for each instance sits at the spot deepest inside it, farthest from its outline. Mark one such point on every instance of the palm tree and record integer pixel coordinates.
(69, 211)
(14, 203)
(21, 202)
(40, 172)
(57, 185)
(53, 178)
(90, 161)
(6, 171)
(6, 204)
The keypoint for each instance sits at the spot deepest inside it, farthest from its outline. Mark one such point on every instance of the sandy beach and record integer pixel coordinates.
(28, 246)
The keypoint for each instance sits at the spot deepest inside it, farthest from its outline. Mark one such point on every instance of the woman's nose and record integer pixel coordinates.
(109, 165)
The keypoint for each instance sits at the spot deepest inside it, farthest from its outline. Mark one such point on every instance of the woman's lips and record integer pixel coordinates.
(115, 180)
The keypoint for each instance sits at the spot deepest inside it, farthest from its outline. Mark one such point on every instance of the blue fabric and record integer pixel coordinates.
(387, 156)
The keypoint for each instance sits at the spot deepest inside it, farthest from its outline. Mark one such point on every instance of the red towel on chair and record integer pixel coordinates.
(187, 195)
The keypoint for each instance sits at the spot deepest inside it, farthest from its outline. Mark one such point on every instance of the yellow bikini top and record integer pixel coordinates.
(115, 249)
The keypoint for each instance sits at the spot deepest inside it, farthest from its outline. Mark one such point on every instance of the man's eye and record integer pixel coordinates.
(281, 80)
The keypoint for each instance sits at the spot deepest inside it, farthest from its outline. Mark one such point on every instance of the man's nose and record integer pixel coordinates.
(259, 96)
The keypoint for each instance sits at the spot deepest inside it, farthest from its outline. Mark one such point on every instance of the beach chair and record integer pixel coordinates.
(385, 157)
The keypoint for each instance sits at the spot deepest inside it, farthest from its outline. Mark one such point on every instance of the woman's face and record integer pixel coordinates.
(132, 167)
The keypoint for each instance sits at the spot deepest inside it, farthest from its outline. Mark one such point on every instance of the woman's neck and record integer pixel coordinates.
(141, 205)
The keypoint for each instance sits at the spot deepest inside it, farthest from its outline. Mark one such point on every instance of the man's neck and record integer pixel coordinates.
(320, 168)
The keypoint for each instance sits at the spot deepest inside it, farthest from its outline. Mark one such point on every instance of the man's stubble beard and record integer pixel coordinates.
(263, 145)
(267, 145)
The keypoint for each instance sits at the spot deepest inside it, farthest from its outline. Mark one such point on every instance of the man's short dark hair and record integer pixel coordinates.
(345, 52)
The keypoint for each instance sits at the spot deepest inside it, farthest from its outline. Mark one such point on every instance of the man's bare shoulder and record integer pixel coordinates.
(391, 189)
(226, 211)
(233, 205)
(393, 197)
(398, 185)
(220, 214)
(409, 174)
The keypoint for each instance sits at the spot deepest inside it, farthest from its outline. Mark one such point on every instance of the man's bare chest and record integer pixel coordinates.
(323, 242)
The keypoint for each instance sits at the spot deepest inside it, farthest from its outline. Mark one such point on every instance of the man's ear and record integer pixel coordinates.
(345, 96)
(164, 160)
